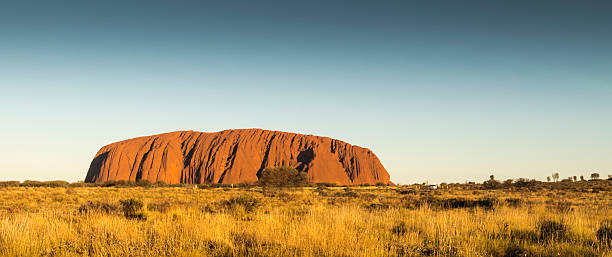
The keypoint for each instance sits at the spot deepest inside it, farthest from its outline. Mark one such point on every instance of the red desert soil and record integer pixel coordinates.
(234, 156)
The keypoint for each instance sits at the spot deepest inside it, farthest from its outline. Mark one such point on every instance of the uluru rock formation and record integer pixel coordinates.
(234, 156)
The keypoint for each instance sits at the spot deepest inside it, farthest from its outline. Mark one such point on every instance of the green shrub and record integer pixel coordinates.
(523, 235)
(524, 182)
(406, 191)
(322, 191)
(127, 183)
(208, 208)
(454, 203)
(514, 202)
(31, 183)
(133, 209)
(377, 206)
(326, 184)
(514, 250)
(604, 233)
(97, 207)
(248, 202)
(348, 192)
(56, 183)
(560, 206)
(143, 183)
(241, 207)
(162, 206)
(283, 176)
(552, 230)
(81, 184)
(9, 183)
(160, 184)
(399, 229)
(117, 183)
(491, 184)
(244, 185)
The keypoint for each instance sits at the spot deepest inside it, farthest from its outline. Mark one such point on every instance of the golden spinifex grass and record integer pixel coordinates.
(361, 221)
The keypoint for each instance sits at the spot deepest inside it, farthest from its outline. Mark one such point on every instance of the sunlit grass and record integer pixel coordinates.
(363, 221)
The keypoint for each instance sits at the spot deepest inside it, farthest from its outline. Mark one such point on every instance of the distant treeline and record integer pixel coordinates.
(143, 183)
(486, 185)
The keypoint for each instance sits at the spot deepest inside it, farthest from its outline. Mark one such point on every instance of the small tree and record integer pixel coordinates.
(548, 178)
(443, 185)
(575, 179)
(283, 176)
(581, 178)
(491, 183)
(595, 176)
(555, 176)
(508, 183)
(133, 209)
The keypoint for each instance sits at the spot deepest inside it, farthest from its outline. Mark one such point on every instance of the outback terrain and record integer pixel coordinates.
(522, 218)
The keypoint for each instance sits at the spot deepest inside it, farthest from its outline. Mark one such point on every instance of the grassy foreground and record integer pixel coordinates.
(309, 221)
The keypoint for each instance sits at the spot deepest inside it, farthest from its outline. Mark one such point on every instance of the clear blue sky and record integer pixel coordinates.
(440, 91)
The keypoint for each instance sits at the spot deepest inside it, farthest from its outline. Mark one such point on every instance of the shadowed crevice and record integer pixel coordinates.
(304, 158)
(264, 161)
(142, 161)
(229, 163)
(95, 167)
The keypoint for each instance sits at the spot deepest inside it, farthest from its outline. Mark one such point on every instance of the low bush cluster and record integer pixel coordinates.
(552, 230)
(162, 206)
(399, 229)
(248, 202)
(514, 202)
(9, 183)
(514, 250)
(98, 207)
(284, 176)
(604, 233)
(241, 207)
(454, 203)
(133, 209)
(56, 183)
(347, 192)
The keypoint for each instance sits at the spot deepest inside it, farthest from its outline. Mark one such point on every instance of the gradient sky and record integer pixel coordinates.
(440, 91)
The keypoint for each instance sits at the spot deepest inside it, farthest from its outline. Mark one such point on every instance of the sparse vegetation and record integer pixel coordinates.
(242, 205)
(97, 207)
(284, 176)
(520, 218)
(133, 209)
(400, 228)
(604, 233)
(555, 176)
(552, 230)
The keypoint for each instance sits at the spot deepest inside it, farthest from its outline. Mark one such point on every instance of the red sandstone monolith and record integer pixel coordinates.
(234, 156)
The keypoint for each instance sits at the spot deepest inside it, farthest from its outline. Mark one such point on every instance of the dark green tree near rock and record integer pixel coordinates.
(133, 209)
(284, 176)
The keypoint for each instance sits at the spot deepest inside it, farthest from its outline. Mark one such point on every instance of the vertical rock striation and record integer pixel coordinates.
(234, 156)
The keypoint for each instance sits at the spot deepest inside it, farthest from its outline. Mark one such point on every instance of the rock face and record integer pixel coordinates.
(234, 156)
